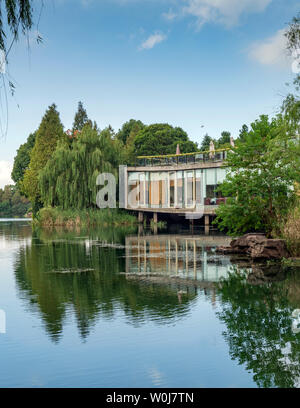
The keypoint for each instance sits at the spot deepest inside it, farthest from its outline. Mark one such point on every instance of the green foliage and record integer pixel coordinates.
(259, 184)
(243, 133)
(12, 204)
(291, 230)
(129, 151)
(292, 34)
(69, 178)
(132, 125)
(258, 321)
(22, 160)
(80, 119)
(224, 139)
(205, 143)
(19, 19)
(47, 136)
(161, 138)
(53, 216)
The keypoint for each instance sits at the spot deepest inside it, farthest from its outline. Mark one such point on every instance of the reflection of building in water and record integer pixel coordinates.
(178, 256)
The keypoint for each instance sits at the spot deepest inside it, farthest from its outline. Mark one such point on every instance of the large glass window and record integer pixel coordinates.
(147, 188)
(163, 190)
(159, 189)
(172, 188)
(180, 189)
(221, 175)
(142, 191)
(154, 189)
(211, 184)
(189, 201)
(133, 189)
(198, 187)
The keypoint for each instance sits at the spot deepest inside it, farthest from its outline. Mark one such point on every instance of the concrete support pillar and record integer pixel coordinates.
(206, 224)
(155, 218)
(141, 217)
(141, 229)
(192, 225)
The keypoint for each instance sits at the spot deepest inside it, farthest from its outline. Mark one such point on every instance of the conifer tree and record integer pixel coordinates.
(47, 136)
(130, 152)
(205, 143)
(80, 119)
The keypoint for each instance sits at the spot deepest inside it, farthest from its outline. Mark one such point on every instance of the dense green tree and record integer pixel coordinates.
(205, 143)
(160, 139)
(125, 131)
(47, 136)
(22, 160)
(69, 178)
(262, 171)
(80, 119)
(129, 151)
(243, 133)
(291, 104)
(12, 204)
(224, 139)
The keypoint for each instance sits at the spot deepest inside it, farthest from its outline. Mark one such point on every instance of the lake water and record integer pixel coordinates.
(128, 308)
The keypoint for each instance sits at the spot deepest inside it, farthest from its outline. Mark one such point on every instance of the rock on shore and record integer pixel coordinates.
(258, 246)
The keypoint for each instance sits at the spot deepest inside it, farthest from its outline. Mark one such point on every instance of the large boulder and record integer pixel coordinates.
(258, 246)
(270, 249)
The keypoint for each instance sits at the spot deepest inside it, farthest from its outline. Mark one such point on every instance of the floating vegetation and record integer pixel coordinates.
(73, 270)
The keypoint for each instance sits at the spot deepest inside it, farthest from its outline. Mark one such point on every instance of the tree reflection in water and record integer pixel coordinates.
(62, 272)
(65, 273)
(258, 320)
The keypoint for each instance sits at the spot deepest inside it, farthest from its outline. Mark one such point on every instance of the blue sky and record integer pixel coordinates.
(204, 65)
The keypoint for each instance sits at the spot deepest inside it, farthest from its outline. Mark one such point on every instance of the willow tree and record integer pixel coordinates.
(69, 178)
(47, 136)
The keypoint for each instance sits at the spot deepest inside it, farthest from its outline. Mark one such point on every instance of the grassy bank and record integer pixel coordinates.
(50, 216)
(291, 232)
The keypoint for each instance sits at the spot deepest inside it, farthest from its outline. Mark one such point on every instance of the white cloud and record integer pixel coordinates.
(271, 51)
(5, 171)
(227, 12)
(170, 15)
(152, 41)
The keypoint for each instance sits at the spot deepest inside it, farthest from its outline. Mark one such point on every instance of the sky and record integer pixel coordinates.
(203, 65)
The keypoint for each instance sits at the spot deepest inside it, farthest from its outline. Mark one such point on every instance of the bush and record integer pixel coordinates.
(54, 216)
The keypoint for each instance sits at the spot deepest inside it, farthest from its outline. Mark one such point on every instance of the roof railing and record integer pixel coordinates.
(183, 158)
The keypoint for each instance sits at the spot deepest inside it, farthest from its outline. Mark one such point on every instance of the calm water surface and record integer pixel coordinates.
(114, 308)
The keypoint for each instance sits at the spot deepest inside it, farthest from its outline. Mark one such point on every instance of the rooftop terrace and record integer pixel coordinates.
(209, 156)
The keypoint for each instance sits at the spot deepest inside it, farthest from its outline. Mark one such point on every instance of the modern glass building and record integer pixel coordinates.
(176, 183)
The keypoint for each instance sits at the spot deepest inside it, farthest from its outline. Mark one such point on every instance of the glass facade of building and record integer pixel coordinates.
(174, 188)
